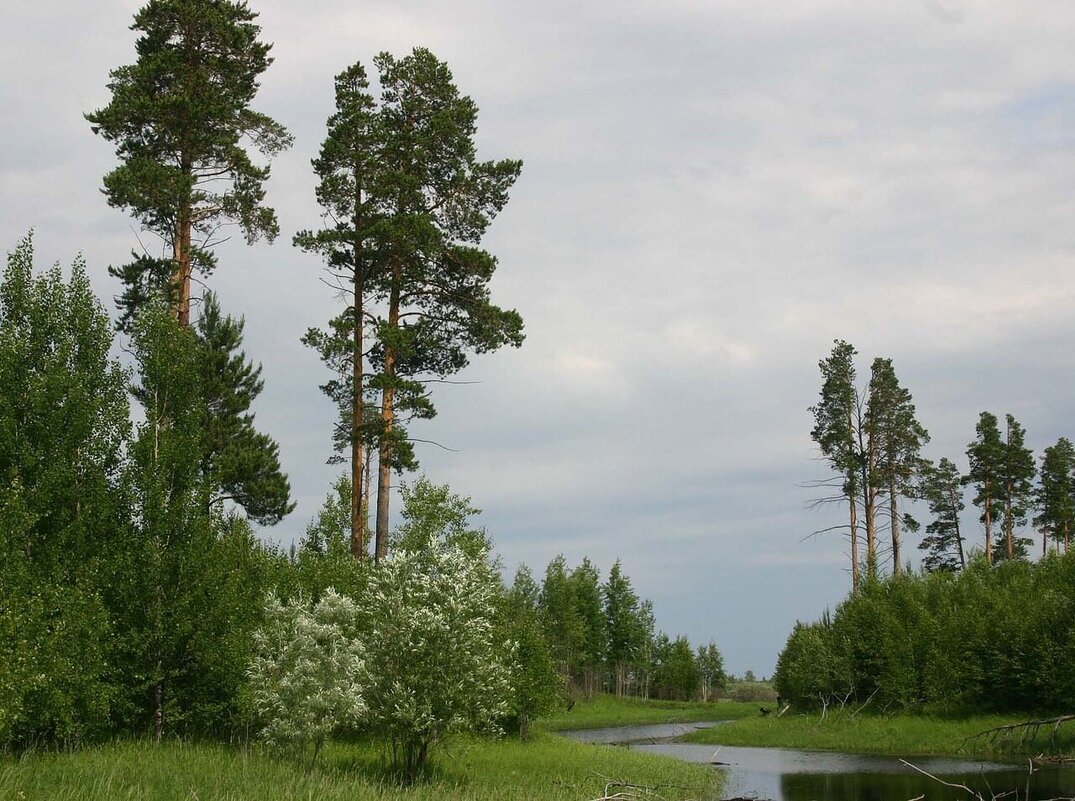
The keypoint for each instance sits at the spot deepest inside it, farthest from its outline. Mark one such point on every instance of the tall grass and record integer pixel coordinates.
(546, 767)
(900, 735)
(611, 710)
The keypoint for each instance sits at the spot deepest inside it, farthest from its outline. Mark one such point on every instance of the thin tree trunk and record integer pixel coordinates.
(854, 544)
(388, 419)
(181, 272)
(954, 501)
(158, 711)
(358, 525)
(1008, 524)
(893, 511)
(988, 526)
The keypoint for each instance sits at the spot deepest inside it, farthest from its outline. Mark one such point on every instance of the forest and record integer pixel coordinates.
(137, 596)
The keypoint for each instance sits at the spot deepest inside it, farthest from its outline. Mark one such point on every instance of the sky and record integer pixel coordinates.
(712, 192)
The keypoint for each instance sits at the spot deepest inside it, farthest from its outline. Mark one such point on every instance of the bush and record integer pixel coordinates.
(307, 674)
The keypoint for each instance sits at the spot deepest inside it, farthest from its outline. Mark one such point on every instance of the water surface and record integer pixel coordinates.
(784, 774)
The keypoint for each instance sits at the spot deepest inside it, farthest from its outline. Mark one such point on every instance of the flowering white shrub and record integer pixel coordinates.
(307, 674)
(434, 665)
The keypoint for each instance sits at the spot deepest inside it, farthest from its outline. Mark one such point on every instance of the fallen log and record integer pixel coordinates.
(1027, 730)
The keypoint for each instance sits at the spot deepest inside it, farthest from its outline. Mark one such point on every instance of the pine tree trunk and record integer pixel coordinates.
(953, 500)
(182, 269)
(854, 544)
(388, 418)
(358, 525)
(1009, 524)
(893, 512)
(988, 526)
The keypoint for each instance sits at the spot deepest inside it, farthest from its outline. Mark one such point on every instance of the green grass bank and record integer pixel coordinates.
(546, 767)
(899, 735)
(608, 710)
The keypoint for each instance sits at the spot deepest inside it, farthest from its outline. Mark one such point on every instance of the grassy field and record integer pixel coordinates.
(901, 735)
(608, 710)
(547, 767)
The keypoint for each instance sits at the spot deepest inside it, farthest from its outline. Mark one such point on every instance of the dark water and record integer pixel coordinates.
(784, 774)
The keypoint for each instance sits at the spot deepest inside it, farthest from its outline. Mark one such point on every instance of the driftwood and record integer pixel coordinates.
(1012, 794)
(627, 791)
(1027, 730)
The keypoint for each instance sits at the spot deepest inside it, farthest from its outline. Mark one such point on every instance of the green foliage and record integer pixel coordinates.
(675, 673)
(993, 638)
(537, 687)
(1056, 493)
(1017, 471)
(189, 582)
(435, 666)
(324, 558)
(942, 488)
(63, 425)
(986, 454)
(307, 673)
(179, 118)
(240, 464)
(710, 670)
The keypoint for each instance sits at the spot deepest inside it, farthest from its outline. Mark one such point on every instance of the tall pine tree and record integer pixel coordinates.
(837, 415)
(941, 486)
(1016, 490)
(1056, 495)
(896, 440)
(986, 454)
(180, 118)
(438, 202)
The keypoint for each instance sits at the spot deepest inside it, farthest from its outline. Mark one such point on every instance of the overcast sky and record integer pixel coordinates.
(711, 193)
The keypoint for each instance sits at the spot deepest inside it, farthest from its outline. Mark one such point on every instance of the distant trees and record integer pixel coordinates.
(979, 639)
(872, 440)
(985, 455)
(608, 642)
(1016, 474)
(837, 418)
(942, 488)
(1056, 494)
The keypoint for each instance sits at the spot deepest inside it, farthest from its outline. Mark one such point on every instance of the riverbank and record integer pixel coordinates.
(609, 710)
(546, 767)
(899, 735)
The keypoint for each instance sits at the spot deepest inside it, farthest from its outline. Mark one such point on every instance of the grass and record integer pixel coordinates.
(609, 710)
(547, 767)
(900, 735)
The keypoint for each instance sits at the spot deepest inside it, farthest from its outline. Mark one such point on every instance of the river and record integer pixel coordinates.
(783, 774)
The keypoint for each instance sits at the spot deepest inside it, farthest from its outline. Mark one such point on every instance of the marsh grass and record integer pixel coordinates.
(547, 767)
(899, 735)
(610, 710)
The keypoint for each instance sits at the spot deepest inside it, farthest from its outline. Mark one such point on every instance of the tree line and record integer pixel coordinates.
(872, 440)
(603, 638)
(989, 637)
(981, 626)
